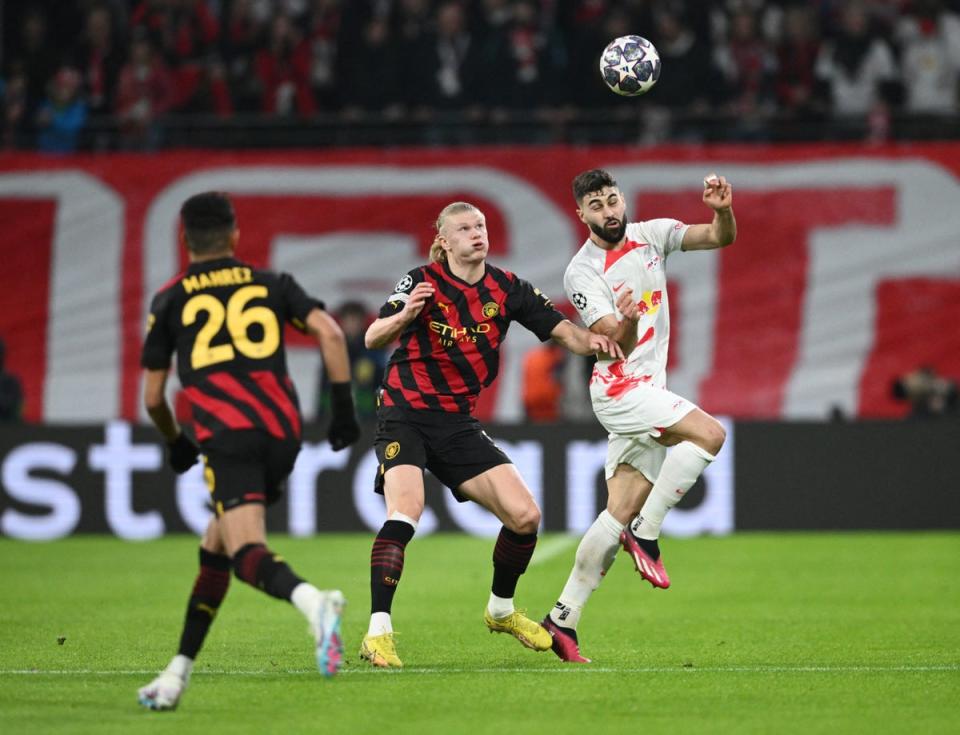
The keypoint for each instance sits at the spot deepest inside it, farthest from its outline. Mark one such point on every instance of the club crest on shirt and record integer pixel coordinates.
(404, 283)
(392, 450)
(491, 309)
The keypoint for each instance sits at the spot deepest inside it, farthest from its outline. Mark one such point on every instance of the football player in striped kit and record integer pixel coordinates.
(224, 319)
(450, 318)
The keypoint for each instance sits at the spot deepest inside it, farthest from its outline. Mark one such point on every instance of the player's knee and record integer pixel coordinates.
(713, 437)
(527, 520)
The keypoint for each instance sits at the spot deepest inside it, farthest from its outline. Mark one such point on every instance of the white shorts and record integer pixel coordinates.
(633, 420)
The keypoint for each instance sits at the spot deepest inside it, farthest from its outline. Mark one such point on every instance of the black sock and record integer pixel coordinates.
(386, 563)
(259, 567)
(511, 555)
(209, 589)
(650, 546)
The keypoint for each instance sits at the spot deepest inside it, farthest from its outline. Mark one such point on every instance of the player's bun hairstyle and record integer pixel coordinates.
(208, 222)
(437, 253)
(596, 179)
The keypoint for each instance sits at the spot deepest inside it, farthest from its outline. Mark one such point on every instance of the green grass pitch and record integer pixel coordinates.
(760, 633)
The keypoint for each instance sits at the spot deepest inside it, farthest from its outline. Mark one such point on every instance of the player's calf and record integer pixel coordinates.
(259, 567)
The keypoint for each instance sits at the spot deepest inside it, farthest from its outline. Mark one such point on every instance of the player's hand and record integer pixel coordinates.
(420, 295)
(627, 306)
(717, 192)
(182, 453)
(605, 345)
(344, 429)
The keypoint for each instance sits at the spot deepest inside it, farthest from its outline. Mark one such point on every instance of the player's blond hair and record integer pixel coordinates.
(437, 253)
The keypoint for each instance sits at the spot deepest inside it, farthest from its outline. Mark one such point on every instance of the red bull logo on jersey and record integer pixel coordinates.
(649, 302)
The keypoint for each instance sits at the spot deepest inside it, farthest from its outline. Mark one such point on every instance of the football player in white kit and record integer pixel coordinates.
(618, 285)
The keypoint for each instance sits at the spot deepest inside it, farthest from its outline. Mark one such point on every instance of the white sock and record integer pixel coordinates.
(181, 666)
(499, 607)
(380, 624)
(306, 598)
(398, 516)
(683, 465)
(595, 555)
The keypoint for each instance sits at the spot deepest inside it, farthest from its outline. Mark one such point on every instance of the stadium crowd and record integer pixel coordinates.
(129, 66)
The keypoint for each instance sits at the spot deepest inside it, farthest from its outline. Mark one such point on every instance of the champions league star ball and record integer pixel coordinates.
(630, 65)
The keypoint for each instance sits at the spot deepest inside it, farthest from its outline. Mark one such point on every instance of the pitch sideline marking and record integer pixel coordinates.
(564, 670)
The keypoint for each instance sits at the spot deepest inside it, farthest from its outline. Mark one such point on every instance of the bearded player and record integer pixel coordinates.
(617, 283)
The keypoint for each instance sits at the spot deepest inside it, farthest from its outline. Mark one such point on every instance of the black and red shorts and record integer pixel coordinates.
(247, 466)
(453, 446)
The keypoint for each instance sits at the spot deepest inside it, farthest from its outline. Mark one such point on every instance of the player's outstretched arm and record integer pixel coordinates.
(581, 341)
(344, 429)
(333, 345)
(385, 330)
(718, 195)
(181, 452)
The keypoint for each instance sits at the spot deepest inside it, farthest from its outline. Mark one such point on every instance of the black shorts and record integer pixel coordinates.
(246, 466)
(453, 446)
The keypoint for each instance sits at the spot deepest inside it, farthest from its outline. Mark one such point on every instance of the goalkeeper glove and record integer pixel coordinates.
(344, 429)
(182, 453)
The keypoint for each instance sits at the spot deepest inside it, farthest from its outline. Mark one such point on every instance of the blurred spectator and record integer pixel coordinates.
(748, 65)
(155, 18)
(412, 23)
(62, 115)
(691, 83)
(857, 67)
(543, 382)
(374, 82)
(930, 59)
(930, 395)
(453, 70)
(185, 34)
(796, 84)
(283, 71)
(323, 38)
(240, 41)
(35, 58)
(99, 57)
(366, 365)
(523, 59)
(145, 94)
(11, 391)
(14, 105)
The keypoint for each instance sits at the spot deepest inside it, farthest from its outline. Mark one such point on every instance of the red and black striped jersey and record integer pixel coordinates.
(451, 351)
(224, 319)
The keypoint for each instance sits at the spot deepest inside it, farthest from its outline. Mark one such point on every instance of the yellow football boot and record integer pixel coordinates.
(381, 651)
(531, 634)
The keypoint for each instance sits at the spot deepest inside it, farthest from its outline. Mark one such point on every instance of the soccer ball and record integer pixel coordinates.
(630, 65)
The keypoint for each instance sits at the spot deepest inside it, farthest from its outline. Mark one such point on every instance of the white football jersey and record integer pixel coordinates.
(595, 277)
